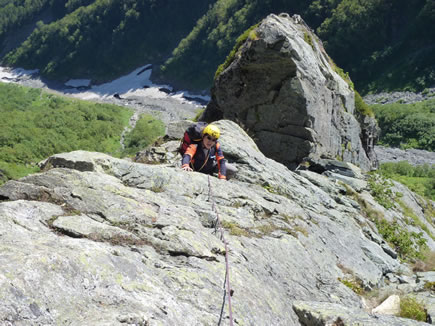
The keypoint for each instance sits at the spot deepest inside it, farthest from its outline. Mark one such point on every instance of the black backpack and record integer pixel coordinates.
(192, 135)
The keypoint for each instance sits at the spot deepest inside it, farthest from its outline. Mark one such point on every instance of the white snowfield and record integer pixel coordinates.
(137, 83)
(8, 75)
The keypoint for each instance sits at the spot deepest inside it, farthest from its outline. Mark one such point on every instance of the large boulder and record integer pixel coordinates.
(285, 91)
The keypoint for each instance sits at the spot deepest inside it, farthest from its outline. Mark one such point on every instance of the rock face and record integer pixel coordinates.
(412, 156)
(283, 89)
(96, 240)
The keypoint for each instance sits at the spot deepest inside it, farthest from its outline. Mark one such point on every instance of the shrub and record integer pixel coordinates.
(420, 179)
(409, 245)
(361, 107)
(411, 308)
(407, 125)
(146, 131)
(36, 124)
(380, 188)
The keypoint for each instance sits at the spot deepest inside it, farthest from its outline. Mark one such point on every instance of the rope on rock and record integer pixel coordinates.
(227, 286)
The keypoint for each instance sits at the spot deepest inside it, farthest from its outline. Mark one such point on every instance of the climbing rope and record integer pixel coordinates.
(227, 286)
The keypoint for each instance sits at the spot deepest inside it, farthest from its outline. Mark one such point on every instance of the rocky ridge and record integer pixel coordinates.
(412, 156)
(99, 240)
(285, 90)
(402, 97)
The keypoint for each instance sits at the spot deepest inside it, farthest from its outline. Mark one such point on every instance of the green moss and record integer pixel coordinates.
(429, 286)
(341, 73)
(262, 230)
(309, 39)
(198, 114)
(361, 107)
(270, 189)
(248, 34)
(354, 285)
(235, 229)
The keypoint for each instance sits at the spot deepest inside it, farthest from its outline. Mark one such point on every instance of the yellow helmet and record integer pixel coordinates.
(211, 130)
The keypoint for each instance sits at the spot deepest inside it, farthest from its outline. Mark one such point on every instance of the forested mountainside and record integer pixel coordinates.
(99, 39)
(383, 44)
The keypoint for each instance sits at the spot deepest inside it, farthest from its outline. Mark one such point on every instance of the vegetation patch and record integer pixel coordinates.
(236, 230)
(147, 130)
(198, 114)
(36, 124)
(262, 230)
(353, 284)
(309, 39)
(362, 107)
(270, 188)
(410, 246)
(408, 212)
(420, 179)
(407, 125)
(381, 190)
(357, 34)
(118, 239)
(430, 286)
(344, 75)
(412, 308)
(426, 264)
(248, 34)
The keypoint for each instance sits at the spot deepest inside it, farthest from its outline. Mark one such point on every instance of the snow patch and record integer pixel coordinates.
(8, 75)
(135, 84)
(78, 83)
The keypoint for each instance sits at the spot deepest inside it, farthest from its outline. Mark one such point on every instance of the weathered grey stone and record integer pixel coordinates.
(402, 97)
(428, 300)
(175, 129)
(328, 314)
(391, 306)
(322, 181)
(412, 156)
(356, 184)
(125, 242)
(281, 86)
(339, 167)
(166, 153)
(426, 277)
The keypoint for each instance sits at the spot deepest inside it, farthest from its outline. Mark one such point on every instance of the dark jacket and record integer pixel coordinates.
(199, 161)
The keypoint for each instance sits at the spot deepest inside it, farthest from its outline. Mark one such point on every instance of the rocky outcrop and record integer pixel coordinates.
(401, 97)
(96, 240)
(283, 88)
(412, 156)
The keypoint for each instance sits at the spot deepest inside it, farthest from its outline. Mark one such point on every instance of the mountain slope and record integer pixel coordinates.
(385, 45)
(106, 38)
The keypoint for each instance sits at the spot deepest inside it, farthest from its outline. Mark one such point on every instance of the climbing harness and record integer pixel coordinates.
(227, 287)
(205, 162)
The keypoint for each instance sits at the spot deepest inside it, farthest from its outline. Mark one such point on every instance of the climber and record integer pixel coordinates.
(206, 156)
